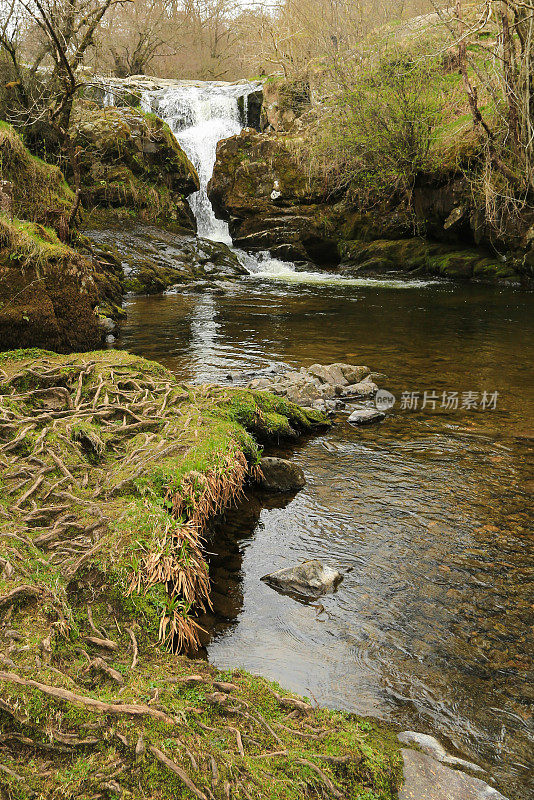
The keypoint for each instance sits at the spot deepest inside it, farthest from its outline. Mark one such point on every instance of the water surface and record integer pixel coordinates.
(432, 628)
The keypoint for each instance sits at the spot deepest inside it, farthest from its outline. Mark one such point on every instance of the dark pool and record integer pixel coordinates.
(432, 628)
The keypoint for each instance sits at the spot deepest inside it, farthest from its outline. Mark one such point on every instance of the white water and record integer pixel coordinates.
(201, 114)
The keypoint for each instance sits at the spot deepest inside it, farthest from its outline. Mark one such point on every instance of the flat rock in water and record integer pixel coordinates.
(309, 579)
(431, 746)
(428, 779)
(364, 416)
(280, 475)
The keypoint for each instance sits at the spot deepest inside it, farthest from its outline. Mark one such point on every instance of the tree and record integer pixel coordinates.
(46, 42)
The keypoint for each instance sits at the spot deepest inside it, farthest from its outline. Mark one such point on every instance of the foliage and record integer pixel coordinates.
(372, 138)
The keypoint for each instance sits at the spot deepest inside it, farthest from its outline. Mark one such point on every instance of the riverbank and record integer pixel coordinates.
(111, 470)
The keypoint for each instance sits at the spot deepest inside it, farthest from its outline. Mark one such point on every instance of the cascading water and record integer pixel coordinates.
(200, 115)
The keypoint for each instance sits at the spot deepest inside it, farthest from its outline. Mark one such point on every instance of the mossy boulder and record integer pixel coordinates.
(259, 186)
(47, 291)
(132, 159)
(38, 191)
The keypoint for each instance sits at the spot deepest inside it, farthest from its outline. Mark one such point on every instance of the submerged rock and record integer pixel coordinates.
(428, 779)
(280, 475)
(309, 579)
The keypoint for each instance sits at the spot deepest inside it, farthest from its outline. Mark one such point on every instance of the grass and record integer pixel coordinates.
(40, 192)
(115, 553)
(30, 242)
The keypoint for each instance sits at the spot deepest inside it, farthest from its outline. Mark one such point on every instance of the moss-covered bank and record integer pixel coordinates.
(110, 471)
(47, 290)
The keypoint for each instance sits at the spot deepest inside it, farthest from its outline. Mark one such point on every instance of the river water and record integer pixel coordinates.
(431, 511)
(432, 627)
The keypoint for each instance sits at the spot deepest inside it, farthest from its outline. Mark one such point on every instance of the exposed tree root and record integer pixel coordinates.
(88, 702)
(162, 758)
(20, 594)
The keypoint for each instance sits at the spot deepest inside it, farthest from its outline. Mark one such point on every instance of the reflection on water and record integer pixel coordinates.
(431, 627)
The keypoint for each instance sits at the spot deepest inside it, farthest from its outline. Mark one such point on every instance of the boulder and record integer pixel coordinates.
(430, 745)
(258, 186)
(365, 416)
(309, 579)
(428, 779)
(280, 475)
(284, 103)
(131, 159)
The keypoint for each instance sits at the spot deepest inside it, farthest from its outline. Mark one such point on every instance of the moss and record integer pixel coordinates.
(40, 192)
(424, 256)
(76, 752)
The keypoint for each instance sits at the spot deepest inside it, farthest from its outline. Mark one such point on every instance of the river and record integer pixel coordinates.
(431, 510)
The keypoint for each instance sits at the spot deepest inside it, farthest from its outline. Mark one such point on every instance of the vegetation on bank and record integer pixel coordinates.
(110, 472)
(431, 105)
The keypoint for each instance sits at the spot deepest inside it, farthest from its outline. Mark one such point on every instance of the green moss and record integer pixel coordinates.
(40, 192)
(138, 522)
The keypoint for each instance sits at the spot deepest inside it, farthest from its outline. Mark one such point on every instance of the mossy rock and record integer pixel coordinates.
(132, 159)
(39, 190)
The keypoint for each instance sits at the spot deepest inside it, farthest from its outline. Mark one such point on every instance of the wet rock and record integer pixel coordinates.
(365, 416)
(309, 579)
(428, 779)
(430, 745)
(154, 259)
(280, 475)
(360, 391)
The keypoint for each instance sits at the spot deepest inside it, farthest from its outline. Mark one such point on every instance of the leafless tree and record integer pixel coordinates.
(46, 42)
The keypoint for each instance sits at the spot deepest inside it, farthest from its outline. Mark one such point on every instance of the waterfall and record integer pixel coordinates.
(200, 115)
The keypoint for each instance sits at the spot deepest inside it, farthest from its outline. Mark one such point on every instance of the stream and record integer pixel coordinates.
(430, 510)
